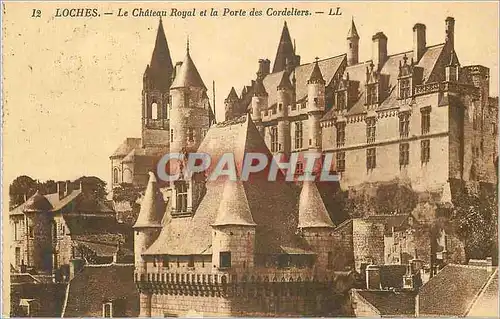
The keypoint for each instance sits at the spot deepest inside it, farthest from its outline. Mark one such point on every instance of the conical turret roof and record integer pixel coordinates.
(316, 75)
(233, 96)
(150, 215)
(233, 208)
(285, 50)
(312, 210)
(285, 81)
(188, 75)
(353, 33)
(37, 203)
(161, 67)
(259, 89)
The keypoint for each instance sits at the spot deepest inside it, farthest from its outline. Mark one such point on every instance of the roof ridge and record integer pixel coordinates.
(366, 301)
(479, 293)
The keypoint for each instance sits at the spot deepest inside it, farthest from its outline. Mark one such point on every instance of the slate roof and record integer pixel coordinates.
(273, 205)
(37, 203)
(453, 290)
(150, 214)
(353, 32)
(128, 145)
(188, 75)
(312, 210)
(233, 208)
(96, 284)
(329, 67)
(428, 62)
(160, 70)
(486, 305)
(285, 50)
(390, 303)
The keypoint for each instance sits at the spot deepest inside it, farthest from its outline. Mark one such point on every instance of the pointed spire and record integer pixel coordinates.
(150, 215)
(316, 76)
(285, 82)
(161, 67)
(233, 96)
(187, 44)
(259, 89)
(188, 75)
(233, 208)
(285, 50)
(312, 210)
(352, 33)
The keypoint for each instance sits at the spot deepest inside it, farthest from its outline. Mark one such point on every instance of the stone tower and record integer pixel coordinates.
(259, 104)
(39, 224)
(352, 45)
(315, 106)
(231, 104)
(284, 100)
(190, 110)
(146, 230)
(233, 236)
(315, 224)
(155, 93)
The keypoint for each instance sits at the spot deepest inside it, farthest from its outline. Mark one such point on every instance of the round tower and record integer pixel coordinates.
(39, 233)
(231, 104)
(259, 104)
(233, 236)
(148, 224)
(316, 105)
(352, 45)
(316, 225)
(190, 113)
(284, 100)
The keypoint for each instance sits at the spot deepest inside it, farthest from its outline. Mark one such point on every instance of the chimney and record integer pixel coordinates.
(379, 50)
(61, 189)
(418, 41)
(450, 31)
(69, 188)
(264, 68)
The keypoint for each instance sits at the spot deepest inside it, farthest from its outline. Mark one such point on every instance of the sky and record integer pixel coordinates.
(72, 86)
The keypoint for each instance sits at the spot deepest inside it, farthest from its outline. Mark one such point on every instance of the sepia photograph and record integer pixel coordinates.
(250, 159)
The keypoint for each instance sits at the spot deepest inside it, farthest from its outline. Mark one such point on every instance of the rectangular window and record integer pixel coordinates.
(298, 135)
(341, 105)
(182, 192)
(371, 97)
(299, 169)
(371, 158)
(370, 130)
(171, 135)
(426, 121)
(340, 161)
(225, 259)
(404, 88)
(30, 231)
(404, 154)
(15, 231)
(190, 134)
(303, 105)
(203, 133)
(425, 152)
(274, 139)
(494, 128)
(340, 134)
(404, 125)
(191, 261)
(107, 310)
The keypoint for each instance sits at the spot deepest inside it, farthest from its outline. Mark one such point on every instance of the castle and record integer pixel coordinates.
(259, 247)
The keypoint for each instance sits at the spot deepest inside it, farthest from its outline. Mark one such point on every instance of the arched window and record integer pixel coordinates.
(115, 176)
(154, 111)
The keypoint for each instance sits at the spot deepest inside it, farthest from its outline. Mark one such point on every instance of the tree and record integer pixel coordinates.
(93, 187)
(21, 188)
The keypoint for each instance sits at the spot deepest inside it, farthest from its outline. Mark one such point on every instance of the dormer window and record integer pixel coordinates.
(341, 100)
(404, 88)
(371, 94)
(181, 188)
